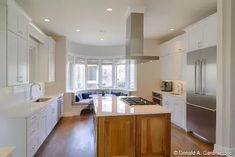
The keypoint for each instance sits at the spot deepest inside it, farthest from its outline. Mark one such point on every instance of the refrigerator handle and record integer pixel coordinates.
(203, 72)
(201, 77)
(195, 77)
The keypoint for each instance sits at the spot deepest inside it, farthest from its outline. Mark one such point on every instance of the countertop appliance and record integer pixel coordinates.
(136, 101)
(167, 86)
(201, 93)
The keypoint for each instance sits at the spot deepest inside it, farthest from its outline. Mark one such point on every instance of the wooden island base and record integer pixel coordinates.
(134, 136)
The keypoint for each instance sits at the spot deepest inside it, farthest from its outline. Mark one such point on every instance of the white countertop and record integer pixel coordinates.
(182, 96)
(6, 151)
(28, 108)
(113, 106)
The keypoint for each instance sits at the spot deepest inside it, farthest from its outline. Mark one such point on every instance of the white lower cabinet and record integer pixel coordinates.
(177, 106)
(40, 125)
(27, 133)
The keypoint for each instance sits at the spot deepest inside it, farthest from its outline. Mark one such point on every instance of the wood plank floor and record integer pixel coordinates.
(73, 137)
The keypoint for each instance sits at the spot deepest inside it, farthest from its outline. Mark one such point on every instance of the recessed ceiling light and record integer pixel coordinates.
(109, 9)
(172, 29)
(78, 30)
(47, 20)
(101, 39)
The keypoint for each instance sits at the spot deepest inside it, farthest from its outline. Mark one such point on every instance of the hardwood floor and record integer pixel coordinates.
(73, 137)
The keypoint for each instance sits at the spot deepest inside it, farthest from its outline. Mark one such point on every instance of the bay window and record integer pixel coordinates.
(83, 73)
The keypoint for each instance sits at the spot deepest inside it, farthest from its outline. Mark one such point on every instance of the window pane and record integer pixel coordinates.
(92, 76)
(132, 75)
(121, 75)
(107, 75)
(79, 78)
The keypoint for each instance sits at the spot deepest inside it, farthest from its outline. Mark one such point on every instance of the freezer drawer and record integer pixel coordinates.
(201, 121)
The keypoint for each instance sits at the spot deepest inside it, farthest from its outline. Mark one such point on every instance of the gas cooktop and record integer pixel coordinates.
(136, 101)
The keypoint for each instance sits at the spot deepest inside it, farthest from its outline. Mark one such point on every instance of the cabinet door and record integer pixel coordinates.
(195, 37)
(153, 136)
(179, 113)
(23, 24)
(49, 119)
(23, 54)
(12, 18)
(179, 44)
(12, 59)
(116, 136)
(43, 126)
(210, 31)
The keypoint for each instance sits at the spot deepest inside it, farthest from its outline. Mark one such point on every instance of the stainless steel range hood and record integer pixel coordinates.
(135, 39)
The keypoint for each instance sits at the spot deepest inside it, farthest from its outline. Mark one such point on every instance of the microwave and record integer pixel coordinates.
(167, 86)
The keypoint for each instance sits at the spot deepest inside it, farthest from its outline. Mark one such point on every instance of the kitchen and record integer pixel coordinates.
(53, 75)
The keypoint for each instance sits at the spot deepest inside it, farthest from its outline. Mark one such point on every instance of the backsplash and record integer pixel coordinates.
(14, 96)
(179, 86)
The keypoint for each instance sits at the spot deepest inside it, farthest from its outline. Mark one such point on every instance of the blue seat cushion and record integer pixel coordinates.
(86, 95)
(116, 93)
(123, 94)
(78, 97)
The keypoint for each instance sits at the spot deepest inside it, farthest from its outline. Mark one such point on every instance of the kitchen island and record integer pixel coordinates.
(131, 131)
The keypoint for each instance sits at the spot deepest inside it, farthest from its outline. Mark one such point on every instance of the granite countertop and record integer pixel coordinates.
(28, 108)
(113, 106)
(6, 151)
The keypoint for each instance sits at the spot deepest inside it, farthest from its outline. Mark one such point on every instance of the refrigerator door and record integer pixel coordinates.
(201, 78)
(209, 75)
(193, 77)
(201, 93)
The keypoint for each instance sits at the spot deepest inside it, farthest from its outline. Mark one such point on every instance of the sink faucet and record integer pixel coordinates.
(31, 87)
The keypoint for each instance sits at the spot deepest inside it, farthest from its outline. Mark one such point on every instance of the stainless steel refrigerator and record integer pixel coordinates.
(201, 93)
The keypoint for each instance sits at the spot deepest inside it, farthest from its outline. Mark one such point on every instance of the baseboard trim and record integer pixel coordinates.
(230, 152)
(67, 114)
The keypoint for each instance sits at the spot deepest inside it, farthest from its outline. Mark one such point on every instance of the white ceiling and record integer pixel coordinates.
(90, 16)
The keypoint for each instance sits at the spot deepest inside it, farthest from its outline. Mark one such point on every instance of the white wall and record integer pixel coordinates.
(148, 79)
(148, 74)
(225, 114)
(15, 96)
(89, 50)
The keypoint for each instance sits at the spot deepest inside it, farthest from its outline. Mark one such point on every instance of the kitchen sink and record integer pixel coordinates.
(42, 99)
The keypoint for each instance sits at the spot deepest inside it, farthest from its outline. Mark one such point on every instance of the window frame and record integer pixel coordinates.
(100, 77)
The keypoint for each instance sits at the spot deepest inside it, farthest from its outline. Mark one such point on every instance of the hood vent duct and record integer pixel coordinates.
(135, 38)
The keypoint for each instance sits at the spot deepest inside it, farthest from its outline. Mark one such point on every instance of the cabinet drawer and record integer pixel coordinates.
(32, 125)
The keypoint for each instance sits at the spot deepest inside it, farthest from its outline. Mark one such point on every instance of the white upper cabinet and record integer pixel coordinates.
(17, 60)
(17, 45)
(12, 59)
(202, 34)
(173, 58)
(175, 45)
(17, 21)
(51, 60)
(46, 61)
(3, 43)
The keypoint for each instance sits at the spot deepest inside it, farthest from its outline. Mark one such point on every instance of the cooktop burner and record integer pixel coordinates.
(136, 101)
